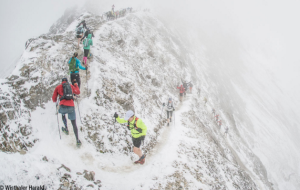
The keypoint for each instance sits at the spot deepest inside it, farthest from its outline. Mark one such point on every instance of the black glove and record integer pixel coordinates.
(163, 104)
(116, 115)
(173, 109)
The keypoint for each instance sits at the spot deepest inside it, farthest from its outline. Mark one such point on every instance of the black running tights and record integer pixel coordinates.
(73, 123)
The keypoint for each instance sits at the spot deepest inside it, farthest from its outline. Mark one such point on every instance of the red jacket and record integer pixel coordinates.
(182, 90)
(59, 91)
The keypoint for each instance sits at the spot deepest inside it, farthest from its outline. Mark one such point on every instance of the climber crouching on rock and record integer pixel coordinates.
(138, 131)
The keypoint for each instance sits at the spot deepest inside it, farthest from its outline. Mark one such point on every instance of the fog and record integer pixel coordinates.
(251, 49)
(21, 20)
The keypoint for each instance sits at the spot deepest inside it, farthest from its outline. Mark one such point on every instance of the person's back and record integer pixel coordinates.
(86, 47)
(181, 91)
(59, 91)
(65, 93)
(169, 108)
(74, 66)
(87, 32)
(88, 42)
(79, 33)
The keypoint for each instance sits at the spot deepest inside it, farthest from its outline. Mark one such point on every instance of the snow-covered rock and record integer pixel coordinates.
(137, 64)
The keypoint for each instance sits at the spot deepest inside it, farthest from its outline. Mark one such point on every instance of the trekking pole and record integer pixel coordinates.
(174, 118)
(114, 128)
(87, 85)
(78, 110)
(57, 120)
(162, 110)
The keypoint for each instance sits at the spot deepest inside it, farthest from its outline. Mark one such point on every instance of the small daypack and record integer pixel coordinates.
(72, 65)
(79, 30)
(68, 94)
(185, 86)
(134, 125)
(170, 105)
(86, 42)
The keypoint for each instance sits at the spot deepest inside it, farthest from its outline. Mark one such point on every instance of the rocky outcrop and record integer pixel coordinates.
(67, 181)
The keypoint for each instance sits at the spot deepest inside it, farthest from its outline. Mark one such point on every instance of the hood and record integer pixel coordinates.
(90, 36)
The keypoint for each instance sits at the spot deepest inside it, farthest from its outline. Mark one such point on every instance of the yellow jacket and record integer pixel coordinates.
(140, 124)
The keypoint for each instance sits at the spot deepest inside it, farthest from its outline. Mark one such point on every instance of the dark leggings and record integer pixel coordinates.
(169, 113)
(73, 123)
(86, 52)
(77, 77)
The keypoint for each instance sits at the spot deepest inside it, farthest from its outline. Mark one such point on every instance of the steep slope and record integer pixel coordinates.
(137, 64)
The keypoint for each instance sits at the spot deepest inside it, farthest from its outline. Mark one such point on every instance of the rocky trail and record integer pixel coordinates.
(137, 63)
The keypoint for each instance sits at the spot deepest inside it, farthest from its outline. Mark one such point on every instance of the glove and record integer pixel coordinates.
(163, 104)
(173, 109)
(116, 115)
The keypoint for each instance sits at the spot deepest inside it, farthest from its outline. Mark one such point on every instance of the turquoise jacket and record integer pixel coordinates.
(90, 42)
(139, 124)
(77, 65)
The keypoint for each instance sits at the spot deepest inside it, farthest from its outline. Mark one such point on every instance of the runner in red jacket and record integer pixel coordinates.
(60, 91)
(67, 107)
(182, 90)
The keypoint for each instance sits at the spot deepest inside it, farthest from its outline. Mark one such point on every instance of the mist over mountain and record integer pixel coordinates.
(244, 63)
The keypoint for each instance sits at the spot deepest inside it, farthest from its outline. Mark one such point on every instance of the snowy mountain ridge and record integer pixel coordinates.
(137, 64)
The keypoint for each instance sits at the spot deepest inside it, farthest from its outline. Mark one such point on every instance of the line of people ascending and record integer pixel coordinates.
(65, 93)
(111, 15)
(85, 36)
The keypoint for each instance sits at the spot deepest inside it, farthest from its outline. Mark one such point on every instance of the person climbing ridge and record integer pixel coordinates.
(86, 47)
(198, 91)
(191, 87)
(138, 132)
(87, 32)
(65, 92)
(213, 111)
(113, 8)
(82, 24)
(74, 66)
(220, 123)
(79, 33)
(185, 86)
(117, 14)
(205, 100)
(217, 117)
(181, 91)
(226, 131)
(169, 108)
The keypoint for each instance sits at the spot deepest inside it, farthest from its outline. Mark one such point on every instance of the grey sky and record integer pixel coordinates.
(21, 20)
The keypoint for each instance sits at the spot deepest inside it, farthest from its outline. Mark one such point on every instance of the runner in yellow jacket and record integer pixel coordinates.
(138, 131)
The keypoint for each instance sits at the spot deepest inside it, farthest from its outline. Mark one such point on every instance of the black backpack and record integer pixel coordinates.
(68, 94)
(185, 86)
(79, 30)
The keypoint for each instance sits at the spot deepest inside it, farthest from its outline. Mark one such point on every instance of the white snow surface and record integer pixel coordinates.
(138, 52)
